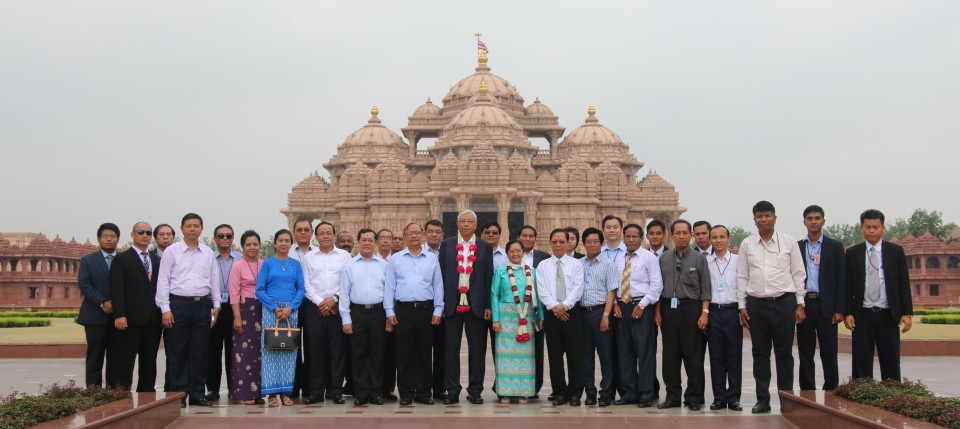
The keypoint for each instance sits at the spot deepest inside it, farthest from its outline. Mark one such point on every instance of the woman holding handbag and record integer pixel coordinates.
(245, 380)
(280, 291)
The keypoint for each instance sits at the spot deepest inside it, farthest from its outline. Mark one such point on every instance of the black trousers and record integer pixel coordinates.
(301, 374)
(324, 355)
(683, 343)
(817, 329)
(439, 359)
(220, 353)
(476, 329)
(637, 347)
(597, 344)
(565, 338)
(876, 329)
(414, 338)
(725, 338)
(538, 347)
(125, 347)
(98, 339)
(186, 345)
(366, 346)
(772, 326)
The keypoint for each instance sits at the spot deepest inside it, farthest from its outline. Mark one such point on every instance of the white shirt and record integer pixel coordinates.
(645, 277)
(658, 252)
(321, 273)
(427, 248)
(882, 302)
(767, 270)
(187, 272)
(547, 281)
(528, 259)
(728, 267)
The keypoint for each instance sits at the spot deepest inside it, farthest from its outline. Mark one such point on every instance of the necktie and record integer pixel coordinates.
(146, 265)
(704, 253)
(625, 282)
(561, 283)
(109, 260)
(873, 279)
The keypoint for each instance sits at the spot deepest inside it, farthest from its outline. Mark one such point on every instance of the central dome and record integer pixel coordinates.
(501, 91)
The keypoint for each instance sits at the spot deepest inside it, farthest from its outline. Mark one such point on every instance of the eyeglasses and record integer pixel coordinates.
(491, 232)
(146, 232)
(227, 236)
(319, 233)
(303, 230)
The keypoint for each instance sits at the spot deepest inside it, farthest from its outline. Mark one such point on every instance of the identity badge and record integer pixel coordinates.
(674, 302)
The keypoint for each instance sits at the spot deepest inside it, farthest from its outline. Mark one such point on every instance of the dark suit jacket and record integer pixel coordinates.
(479, 294)
(578, 255)
(895, 276)
(93, 278)
(134, 295)
(538, 257)
(833, 276)
(153, 252)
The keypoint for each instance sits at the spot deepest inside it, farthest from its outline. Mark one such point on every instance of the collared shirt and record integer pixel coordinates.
(882, 302)
(690, 281)
(645, 278)
(547, 281)
(427, 248)
(321, 273)
(768, 270)
(413, 278)
(224, 265)
(150, 269)
(500, 258)
(159, 252)
(813, 269)
(705, 252)
(105, 254)
(528, 259)
(297, 253)
(600, 278)
(659, 252)
(616, 255)
(187, 272)
(725, 267)
(361, 282)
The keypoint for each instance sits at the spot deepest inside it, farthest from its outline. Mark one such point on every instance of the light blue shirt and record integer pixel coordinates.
(225, 265)
(882, 302)
(813, 270)
(413, 278)
(600, 277)
(500, 258)
(616, 255)
(361, 282)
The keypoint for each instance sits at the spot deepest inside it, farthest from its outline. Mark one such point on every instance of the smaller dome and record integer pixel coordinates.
(539, 109)
(483, 112)
(428, 109)
(374, 133)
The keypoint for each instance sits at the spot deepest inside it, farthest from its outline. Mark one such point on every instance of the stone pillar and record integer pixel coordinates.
(530, 211)
(554, 139)
(412, 140)
(435, 206)
(463, 202)
(503, 208)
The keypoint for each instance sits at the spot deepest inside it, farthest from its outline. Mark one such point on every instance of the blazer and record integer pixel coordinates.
(93, 277)
(134, 294)
(833, 275)
(539, 256)
(895, 276)
(479, 294)
(153, 252)
(578, 255)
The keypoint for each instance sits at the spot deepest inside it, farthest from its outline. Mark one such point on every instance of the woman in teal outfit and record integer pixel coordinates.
(517, 314)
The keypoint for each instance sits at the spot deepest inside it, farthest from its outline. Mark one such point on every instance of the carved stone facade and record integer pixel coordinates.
(484, 160)
(36, 272)
(934, 270)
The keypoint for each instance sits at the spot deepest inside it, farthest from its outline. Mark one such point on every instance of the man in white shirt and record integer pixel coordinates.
(724, 332)
(560, 286)
(321, 313)
(770, 292)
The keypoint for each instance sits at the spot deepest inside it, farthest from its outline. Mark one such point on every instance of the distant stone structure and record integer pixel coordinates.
(484, 160)
(37, 273)
(934, 270)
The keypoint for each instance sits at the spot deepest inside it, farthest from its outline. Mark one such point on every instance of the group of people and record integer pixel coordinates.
(390, 310)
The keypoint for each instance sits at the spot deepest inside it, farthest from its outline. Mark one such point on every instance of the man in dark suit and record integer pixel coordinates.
(133, 287)
(96, 310)
(826, 300)
(163, 236)
(466, 264)
(879, 307)
(533, 258)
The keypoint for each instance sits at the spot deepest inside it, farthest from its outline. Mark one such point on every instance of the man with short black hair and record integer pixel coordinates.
(302, 235)
(433, 233)
(573, 240)
(490, 232)
(701, 234)
(345, 241)
(385, 243)
(221, 334)
(600, 285)
(657, 236)
(724, 333)
(163, 236)
(361, 310)
(96, 310)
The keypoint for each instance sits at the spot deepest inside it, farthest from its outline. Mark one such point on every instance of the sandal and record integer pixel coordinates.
(505, 401)
(249, 402)
(522, 401)
(273, 402)
(259, 401)
(286, 400)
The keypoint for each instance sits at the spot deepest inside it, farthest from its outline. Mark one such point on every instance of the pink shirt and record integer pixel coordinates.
(243, 279)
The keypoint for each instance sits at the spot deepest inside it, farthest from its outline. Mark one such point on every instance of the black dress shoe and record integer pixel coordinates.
(358, 402)
(575, 402)
(425, 400)
(406, 401)
(475, 400)
(552, 397)
(450, 400)
(439, 396)
(761, 407)
(644, 404)
(735, 406)
(313, 399)
(376, 400)
(668, 404)
(338, 399)
(695, 407)
(717, 405)
(212, 396)
(590, 401)
(622, 401)
(388, 396)
(200, 402)
(604, 402)
(559, 400)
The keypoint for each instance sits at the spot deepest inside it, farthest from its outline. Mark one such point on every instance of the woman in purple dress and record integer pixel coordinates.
(245, 371)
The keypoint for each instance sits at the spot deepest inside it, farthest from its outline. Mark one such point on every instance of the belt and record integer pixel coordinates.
(812, 295)
(772, 298)
(376, 306)
(416, 304)
(189, 298)
(633, 300)
(589, 308)
(875, 309)
(732, 305)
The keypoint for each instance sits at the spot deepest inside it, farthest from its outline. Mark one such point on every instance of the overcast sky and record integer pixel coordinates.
(128, 110)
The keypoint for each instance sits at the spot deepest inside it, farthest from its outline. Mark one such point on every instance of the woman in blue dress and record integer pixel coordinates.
(280, 291)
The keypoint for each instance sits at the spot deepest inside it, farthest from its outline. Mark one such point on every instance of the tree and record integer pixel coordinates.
(919, 223)
(737, 235)
(267, 248)
(844, 233)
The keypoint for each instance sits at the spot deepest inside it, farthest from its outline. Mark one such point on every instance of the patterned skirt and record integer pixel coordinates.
(516, 364)
(245, 371)
(278, 365)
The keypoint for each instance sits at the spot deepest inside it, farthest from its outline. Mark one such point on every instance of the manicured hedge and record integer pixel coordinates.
(907, 398)
(940, 311)
(953, 319)
(22, 322)
(18, 411)
(57, 314)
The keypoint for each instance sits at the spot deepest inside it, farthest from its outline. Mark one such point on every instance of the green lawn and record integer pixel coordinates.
(59, 331)
(919, 331)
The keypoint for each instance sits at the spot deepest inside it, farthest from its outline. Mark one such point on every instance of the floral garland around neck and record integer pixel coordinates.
(466, 256)
(523, 333)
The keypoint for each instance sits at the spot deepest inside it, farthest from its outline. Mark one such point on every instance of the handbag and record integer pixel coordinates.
(277, 338)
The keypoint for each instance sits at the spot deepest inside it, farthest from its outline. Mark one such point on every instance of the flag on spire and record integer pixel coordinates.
(482, 46)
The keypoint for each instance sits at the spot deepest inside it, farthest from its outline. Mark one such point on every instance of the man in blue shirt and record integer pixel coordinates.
(361, 308)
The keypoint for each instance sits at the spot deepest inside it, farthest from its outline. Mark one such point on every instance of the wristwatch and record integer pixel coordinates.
(605, 314)
(706, 311)
(336, 298)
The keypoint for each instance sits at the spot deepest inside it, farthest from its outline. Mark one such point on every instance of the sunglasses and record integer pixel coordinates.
(146, 232)
(304, 230)
(491, 232)
(227, 236)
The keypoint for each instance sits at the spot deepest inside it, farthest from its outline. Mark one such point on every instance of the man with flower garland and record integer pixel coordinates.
(466, 265)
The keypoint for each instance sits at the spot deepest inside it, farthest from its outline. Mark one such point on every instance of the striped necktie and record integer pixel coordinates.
(146, 265)
(625, 282)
